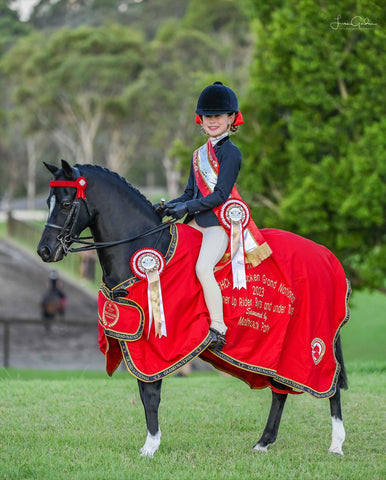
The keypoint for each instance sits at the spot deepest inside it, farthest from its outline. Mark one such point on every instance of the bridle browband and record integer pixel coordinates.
(65, 236)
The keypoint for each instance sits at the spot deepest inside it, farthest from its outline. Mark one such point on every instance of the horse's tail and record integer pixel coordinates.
(342, 380)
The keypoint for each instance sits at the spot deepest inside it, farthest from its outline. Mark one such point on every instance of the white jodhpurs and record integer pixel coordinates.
(214, 245)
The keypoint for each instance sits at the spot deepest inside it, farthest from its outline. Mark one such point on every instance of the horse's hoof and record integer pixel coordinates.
(336, 451)
(218, 340)
(151, 445)
(260, 448)
(147, 453)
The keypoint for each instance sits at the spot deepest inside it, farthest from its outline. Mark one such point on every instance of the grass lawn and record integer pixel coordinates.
(86, 426)
(363, 338)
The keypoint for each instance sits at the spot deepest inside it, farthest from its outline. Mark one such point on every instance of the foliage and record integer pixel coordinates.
(11, 30)
(10, 27)
(75, 80)
(314, 156)
(82, 83)
(81, 426)
(146, 15)
(96, 91)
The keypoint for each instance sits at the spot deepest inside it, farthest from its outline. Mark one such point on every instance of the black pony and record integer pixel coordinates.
(122, 221)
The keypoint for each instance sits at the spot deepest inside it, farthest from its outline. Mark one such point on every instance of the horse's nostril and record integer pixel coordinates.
(44, 252)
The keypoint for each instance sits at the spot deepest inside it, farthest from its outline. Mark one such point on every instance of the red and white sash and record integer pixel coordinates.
(246, 239)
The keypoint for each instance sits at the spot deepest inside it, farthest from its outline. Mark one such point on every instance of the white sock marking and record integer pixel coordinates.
(337, 436)
(151, 445)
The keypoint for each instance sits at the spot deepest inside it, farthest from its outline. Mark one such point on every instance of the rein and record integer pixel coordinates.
(96, 245)
(65, 235)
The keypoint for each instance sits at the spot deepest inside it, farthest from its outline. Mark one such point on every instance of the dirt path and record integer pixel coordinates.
(23, 280)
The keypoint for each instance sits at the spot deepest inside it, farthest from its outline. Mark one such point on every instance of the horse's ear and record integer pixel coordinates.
(52, 168)
(67, 169)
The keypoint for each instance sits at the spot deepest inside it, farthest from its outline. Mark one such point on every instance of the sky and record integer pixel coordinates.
(24, 7)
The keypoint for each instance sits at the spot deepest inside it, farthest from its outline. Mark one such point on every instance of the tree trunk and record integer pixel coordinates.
(173, 176)
(31, 172)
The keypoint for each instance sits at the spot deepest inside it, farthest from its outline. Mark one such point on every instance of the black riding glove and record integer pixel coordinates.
(160, 208)
(177, 210)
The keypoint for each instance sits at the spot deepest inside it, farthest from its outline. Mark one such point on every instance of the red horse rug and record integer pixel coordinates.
(283, 325)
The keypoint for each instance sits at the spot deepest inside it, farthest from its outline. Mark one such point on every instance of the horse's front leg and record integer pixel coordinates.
(273, 422)
(338, 433)
(151, 397)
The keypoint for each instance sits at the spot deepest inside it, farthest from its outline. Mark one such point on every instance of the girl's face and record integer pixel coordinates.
(216, 125)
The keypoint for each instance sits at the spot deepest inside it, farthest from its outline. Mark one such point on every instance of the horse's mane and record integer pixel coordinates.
(118, 177)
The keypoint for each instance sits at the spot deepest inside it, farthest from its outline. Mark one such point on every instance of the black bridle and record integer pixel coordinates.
(65, 235)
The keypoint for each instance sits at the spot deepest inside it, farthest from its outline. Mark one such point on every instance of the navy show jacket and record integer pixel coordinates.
(201, 208)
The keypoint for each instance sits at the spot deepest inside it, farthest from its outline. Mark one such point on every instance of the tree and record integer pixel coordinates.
(11, 29)
(72, 79)
(184, 57)
(144, 15)
(314, 158)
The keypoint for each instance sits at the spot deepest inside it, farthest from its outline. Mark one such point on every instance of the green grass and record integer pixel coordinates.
(86, 426)
(364, 336)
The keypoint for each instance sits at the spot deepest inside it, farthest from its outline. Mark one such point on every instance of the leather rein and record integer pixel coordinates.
(65, 236)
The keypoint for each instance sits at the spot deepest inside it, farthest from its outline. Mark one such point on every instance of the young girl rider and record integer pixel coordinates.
(218, 113)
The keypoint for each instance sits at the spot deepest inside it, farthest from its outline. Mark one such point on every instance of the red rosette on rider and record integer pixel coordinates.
(235, 216)
(255, 248)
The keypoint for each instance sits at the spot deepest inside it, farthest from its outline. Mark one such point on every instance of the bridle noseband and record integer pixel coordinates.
(65, 236)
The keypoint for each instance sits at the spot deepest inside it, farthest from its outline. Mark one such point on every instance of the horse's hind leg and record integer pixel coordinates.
(273, 422)
(151, 397)
(338, 434)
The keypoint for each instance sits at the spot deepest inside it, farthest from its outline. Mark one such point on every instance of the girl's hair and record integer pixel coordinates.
(233, 128)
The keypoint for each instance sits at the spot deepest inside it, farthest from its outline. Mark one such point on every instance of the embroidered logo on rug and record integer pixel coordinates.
(110, 314)
(317, 348)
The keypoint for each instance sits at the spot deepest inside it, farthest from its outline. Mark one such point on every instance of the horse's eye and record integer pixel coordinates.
(65, 204)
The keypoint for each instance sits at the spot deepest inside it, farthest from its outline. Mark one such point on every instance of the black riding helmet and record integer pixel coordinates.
(216, 100)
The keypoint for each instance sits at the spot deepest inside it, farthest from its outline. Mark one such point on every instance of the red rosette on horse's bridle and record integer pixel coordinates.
(148, 263)
(234, 216)
(80, 184)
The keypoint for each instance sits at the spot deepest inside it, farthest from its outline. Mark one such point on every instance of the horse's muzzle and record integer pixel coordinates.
(48, 255)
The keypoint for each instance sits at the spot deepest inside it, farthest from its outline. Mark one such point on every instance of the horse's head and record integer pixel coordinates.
(68, 212)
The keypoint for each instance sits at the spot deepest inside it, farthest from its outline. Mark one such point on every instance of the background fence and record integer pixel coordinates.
(69, 344)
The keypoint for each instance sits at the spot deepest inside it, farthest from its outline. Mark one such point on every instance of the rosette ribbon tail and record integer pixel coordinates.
(148, 263)
(237, 256)
(155, 302)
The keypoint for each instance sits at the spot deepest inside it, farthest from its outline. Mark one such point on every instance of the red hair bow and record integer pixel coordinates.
(238, 119)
